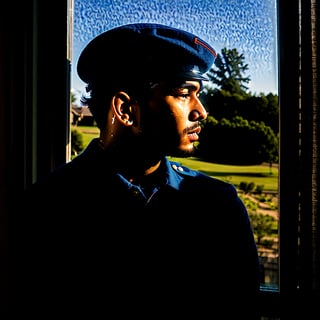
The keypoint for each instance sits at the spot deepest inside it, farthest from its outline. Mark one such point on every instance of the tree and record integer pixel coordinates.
(237, 141)
(73, 98)
(242, 129)
(227, 72)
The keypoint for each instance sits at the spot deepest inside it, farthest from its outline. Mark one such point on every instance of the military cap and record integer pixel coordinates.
(147, 52)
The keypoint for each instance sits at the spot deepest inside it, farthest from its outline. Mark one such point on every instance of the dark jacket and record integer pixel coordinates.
(96, 242)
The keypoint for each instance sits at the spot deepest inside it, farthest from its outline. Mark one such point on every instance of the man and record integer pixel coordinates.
(123, 228)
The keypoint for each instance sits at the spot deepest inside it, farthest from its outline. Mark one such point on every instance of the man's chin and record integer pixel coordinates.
(183, 153)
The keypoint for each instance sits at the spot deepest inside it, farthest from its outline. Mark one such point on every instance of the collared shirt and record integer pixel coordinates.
(188, 241)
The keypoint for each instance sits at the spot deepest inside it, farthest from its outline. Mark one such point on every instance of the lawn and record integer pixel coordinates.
(88, 133)
(260, 175)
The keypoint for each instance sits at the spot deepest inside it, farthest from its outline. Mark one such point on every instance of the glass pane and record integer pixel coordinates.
(250, 28)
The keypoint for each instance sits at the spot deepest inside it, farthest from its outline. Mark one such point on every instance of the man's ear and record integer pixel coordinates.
(123, 108)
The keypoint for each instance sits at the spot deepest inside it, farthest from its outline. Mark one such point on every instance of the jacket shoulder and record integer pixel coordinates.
(198, 178)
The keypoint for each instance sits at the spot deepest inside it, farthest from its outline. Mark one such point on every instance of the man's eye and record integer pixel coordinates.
(184, 95)
(181, 94)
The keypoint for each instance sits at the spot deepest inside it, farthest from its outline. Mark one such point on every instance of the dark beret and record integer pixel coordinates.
(147, 52)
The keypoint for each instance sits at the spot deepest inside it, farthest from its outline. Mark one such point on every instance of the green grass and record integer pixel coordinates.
(88, 133)
(258, 174)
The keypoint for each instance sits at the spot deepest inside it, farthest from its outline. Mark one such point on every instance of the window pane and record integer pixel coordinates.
(250, 28)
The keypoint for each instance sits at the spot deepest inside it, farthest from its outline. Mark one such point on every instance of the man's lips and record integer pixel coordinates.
(193, 134)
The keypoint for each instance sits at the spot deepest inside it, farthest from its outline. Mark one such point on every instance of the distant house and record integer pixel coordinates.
(81, 116)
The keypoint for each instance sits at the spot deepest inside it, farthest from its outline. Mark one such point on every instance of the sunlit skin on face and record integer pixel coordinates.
(174, 117)
(167, 124)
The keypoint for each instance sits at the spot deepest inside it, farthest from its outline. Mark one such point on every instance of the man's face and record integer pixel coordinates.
(170, 123)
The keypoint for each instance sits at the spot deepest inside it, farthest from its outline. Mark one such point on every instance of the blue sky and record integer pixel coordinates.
(249, 26)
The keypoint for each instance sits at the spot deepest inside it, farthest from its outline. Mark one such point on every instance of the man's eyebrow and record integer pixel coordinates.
(189, 86)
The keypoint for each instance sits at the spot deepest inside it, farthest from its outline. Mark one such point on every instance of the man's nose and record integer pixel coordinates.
(198, 114)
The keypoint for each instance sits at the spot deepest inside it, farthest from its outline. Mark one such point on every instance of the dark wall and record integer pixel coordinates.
(34, 80)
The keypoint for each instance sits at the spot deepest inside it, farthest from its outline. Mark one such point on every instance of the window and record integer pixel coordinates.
(34, 126)
(250, 27)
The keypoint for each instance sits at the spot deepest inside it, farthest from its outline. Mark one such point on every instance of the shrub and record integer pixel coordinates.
(77, 144)
(246, 187)
(259, 188)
